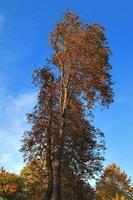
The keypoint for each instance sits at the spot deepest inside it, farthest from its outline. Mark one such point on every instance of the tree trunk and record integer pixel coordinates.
(50, 188)
(49, 172)
(49, 155)
(56, 193)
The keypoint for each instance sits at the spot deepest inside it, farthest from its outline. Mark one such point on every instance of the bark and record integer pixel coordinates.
(49, 172)
(56, 194)
(49, 190)
(49, 155)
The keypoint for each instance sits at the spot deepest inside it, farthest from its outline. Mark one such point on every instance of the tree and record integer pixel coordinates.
(114, 184)
(10, 185)
(81, 56)
(35, 182)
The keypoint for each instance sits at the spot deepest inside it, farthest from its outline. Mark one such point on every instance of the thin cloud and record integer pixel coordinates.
(5, 157)
(13, 124)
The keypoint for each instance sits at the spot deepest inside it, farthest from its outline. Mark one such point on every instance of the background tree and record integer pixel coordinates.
(11, 185)
(114, 183)
(35, 182)
(81, 56)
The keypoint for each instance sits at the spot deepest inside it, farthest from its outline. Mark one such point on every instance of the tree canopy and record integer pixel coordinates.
(10, 185)
(61, 130)
(114, 184)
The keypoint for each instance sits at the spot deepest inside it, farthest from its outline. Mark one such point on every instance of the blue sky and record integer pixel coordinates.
(24, 30)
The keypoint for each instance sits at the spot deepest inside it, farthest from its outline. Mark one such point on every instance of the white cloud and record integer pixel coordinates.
(13, 124)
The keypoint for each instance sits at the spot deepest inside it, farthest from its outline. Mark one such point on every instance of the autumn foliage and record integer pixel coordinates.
(34, 180)
(10, 185)
(114, 184)
(62, 133)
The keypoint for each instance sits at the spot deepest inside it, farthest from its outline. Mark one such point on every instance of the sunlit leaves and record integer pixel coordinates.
(10, 185)
(114, 184)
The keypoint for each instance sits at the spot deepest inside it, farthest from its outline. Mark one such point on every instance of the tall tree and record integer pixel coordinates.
(81, 56)
(114, 184)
